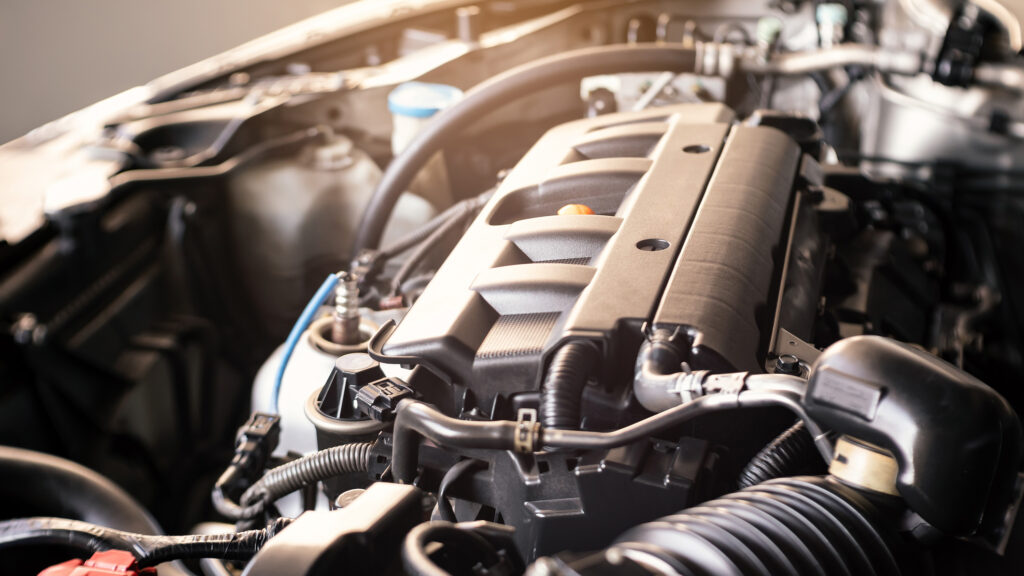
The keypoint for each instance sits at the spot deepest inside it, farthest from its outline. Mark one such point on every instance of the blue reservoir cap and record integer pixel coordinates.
(422, 99)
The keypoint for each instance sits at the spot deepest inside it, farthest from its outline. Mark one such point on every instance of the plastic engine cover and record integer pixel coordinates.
(689, 211)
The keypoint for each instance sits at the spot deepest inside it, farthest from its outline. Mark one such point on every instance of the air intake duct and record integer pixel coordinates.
(807, 525)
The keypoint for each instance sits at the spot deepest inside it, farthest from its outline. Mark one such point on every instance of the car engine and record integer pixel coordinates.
(548, 288)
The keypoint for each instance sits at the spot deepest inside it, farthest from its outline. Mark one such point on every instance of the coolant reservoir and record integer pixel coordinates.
(293, 219)
(413, 105)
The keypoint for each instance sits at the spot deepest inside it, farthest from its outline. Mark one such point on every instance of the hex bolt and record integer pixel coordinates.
(788, 364)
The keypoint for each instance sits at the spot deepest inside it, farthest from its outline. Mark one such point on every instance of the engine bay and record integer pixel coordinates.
(546, 288)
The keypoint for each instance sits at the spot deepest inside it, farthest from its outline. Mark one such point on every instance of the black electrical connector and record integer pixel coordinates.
(963, 46)
(256, 441)
(379, 400)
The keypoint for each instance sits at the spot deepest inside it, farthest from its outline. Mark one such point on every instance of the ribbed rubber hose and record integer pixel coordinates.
(561, 395)
(789, 454)
(288, 478)
(495, 92)
(791, 526)
(149, 550)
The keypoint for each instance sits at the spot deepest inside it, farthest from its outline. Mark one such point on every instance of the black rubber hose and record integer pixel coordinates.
(805, 525)
(561, 396)
(288, 478)
(502, 89)
(415, 419)
(787, 455)
(658, 365)
(149, 550)
(416, 560)
(40, 484)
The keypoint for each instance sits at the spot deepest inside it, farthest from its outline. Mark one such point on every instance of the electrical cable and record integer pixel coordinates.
(429, 235)
(149, 550)
(420, 253)
(787, 455)
(420, 234)
(424, 230)
(444, 508)
(213, 566)
(300, 326)
(287, 478)
(310, 469)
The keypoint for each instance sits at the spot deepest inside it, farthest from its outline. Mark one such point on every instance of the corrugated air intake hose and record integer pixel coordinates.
(799, 526)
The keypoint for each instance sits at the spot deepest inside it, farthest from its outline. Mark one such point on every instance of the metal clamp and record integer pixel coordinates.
(727, 384)
(527, 431)
(689, 384)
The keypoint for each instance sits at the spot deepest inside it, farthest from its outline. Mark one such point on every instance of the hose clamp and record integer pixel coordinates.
(689, 384)
(727, 384)
(527, 431)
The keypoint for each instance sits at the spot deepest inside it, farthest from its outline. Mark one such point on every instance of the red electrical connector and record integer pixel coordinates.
(106, 563)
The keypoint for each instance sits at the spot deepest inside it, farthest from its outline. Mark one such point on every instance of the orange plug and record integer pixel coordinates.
(571, 209)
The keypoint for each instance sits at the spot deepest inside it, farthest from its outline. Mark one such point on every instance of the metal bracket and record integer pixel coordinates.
(787, 343)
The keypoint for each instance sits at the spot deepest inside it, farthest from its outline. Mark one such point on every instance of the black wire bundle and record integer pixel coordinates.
(289, 477)
(149, 550)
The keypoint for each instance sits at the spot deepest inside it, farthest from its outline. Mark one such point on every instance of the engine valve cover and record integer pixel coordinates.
(689, 210)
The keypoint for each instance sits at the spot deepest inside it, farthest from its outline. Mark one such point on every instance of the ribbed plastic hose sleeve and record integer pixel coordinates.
(309, 469)
(787, 455)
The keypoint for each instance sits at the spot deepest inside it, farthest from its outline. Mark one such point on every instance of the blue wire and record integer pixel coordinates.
(300, 326)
